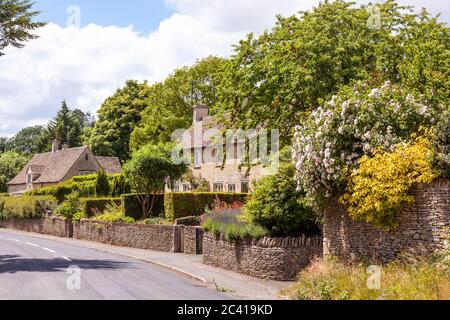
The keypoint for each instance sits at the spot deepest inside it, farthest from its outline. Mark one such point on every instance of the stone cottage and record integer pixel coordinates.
(59, 165)
(200, 146)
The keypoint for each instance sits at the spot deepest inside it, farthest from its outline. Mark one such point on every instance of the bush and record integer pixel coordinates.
(180, 205)
(113, 214)
(69, 207)
(441, 145)
(101, 184)
(95, 206)
(120, 186)
(381, 184)
(132, 207)
(277, 206)
(154, 221)
(188, 221)
(27, 207)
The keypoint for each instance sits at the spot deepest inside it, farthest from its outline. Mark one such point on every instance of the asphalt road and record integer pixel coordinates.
(42, 269)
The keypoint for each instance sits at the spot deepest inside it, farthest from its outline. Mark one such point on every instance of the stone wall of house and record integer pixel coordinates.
(423, 228)
(54, 226)
(151, 237)
(193, 240)
(269, 258)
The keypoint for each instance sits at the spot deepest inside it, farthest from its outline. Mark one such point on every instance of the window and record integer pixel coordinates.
(218, 187)
(186, 187)
(176, 188)
(232, 188)
(245, 187)
(85, 173)
(87, 157)
(198, 158)
(29, 178)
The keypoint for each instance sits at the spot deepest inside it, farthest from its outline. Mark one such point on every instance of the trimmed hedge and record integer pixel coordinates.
(180, 205)
(191, 221)
(95, 206)
(27, 207)
(132, 208)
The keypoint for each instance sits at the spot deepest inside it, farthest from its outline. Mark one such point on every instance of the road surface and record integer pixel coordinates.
(43, 269)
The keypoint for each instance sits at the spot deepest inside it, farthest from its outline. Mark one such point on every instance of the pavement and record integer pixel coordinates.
(41, 264)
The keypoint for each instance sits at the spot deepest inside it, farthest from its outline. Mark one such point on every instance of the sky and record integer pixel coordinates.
(91, 47)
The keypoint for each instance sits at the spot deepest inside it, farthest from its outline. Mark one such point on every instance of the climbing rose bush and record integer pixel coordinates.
(360, 119)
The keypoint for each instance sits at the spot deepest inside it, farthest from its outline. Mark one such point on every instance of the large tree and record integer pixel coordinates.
(170, 102)
(10, 165)
(29, 140)
(16, 23)
(277, 78)
(117, 118)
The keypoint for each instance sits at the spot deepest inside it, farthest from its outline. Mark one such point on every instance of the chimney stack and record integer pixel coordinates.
(200, 111)
(55, 145)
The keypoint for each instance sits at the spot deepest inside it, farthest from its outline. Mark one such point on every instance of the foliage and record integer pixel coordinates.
(101, 184)
(117, 117)
(381, 184)
(277, 206)
(230, 227)
(154, 221)
(354, 123)
(188, 221)
(133, 208)
(170, 102)
(179, 205)
(95, 206)
(305, 59)
(70, 207)
(198, 184)
(11, 163)
(120, 186)
(27, 207)
(441, 146)
(423, 279)
(113, 214)
(30, 140)
(148, 172)
(17, 23)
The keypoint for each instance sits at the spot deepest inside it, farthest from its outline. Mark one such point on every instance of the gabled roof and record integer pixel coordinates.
(110, 164)
(53, 167)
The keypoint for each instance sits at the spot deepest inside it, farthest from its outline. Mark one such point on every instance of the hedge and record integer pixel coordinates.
(27, 207)
(180, 205)
(132, 208)
(95, 206)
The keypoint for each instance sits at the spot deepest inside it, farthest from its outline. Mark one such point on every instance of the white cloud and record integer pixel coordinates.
(86, 65)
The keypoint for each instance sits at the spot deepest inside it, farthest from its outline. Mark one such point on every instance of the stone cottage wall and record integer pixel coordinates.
(269, 258)
(193, 240)
(151, 237)
(423, 228)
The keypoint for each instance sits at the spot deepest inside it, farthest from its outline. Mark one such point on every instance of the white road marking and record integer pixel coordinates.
(32, 244)
(49, 250)
(67, 259)
(15, 240)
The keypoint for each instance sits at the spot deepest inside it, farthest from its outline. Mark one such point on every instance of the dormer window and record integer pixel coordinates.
(87, 157)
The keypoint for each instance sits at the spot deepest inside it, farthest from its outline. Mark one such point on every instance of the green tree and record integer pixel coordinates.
(148, 172)
(16, 23)
(117, 118)
(170, 102)
(30, 140)
(10, 165)
(277, 78)
(101, 184)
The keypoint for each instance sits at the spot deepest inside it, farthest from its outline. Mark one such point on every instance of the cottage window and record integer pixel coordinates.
(232, 188)
(186, 188)
(218, 187)
(198, 158)
(176, 188)
(245, 187)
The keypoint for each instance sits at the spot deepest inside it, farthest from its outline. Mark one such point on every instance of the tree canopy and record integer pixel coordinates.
(16, 23)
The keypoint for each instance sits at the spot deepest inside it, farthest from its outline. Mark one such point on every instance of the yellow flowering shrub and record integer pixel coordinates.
(380, 186)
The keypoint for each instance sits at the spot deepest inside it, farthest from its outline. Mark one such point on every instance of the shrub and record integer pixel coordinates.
(441, 145)
(356, 122)
(132, 207)
(188, 221)
(94, 206)
(28, 207)
(113, 214)
(154, 221)
(101, 184)
(230, 227)
(381, 184)
(69, 207)
(120, 186)
(277, 206)
(180, 205)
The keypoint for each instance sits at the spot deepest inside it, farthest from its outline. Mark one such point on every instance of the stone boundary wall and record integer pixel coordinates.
(423, 228)
(151, 237)
(278, 259)
(53, 226)
(193, 240)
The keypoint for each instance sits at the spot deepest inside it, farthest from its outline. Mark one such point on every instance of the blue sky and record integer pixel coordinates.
(144, 15)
